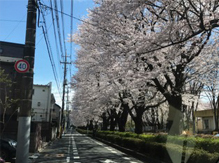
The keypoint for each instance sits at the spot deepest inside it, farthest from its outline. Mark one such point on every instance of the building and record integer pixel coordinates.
(45, 112)
(205, 121)
(43, 103)
(56, 113)
(9, 54)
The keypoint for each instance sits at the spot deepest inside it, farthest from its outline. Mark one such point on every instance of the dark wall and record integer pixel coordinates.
(11, 50)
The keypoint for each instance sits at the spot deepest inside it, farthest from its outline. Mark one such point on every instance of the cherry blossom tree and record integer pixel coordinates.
(211, 89)
(156, 44)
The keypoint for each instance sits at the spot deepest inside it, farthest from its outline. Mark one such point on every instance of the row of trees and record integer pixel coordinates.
(138, 54)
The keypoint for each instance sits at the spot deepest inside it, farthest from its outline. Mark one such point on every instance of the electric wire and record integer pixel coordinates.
(63, 28)
(86, 22)
(71, 32)
(41, 36)
(57, 23)
(65, 57)
(56, 42)
(49, 49)
(6, 20)
(15, 27)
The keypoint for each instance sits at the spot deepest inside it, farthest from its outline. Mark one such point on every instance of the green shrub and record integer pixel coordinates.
(207, 144)
(161, 138)
(200, 149)
(201, 156)
(147, 138)
(132, 143)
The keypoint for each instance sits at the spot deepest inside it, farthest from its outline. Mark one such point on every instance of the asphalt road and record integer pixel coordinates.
(78, 148)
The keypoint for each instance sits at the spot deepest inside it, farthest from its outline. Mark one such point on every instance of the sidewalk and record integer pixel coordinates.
(34, 156)
(55, 151)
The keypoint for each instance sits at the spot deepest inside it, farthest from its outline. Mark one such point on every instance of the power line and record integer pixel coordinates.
(51, 59)
(78, 19)
(71, 31)
(57, 23)
(54, 30)
(15, 27)
(19, 21)
(63, 27)
(49, 49)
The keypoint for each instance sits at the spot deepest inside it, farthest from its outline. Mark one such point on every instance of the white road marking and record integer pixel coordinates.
(76, 157)
(75, 150)
(111, 150)
(126, 158)
(68, 159)
(108, 161)
(108, 148)
(98, 143)
(69, 145)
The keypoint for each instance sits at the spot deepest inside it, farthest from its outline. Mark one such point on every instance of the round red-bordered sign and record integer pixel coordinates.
(22, 66)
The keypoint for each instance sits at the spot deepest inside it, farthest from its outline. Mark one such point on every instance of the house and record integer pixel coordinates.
(43, 103)
(205, 121)
(45, 111)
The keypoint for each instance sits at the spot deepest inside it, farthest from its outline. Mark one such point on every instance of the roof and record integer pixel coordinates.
(204, 113)
(9, 49)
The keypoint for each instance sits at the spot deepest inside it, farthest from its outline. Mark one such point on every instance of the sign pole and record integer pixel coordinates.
(24, 117)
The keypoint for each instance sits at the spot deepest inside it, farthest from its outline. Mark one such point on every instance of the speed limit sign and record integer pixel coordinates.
(22, 66)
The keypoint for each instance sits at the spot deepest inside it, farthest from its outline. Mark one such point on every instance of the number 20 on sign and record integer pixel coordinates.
(22, 66)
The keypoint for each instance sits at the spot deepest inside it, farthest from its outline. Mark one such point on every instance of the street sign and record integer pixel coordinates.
(22, 66)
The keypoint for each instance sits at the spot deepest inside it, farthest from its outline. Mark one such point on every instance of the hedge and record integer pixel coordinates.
(199, 150)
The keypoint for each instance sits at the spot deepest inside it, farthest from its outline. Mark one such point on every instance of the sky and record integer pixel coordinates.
(13, 15)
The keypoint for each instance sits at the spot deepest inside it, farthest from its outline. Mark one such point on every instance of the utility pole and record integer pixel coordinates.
(67, 109)
(62, 125)
(23, 137)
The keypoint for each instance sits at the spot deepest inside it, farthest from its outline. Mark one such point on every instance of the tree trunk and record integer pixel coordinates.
(216, 116)
(138, 123)
(113, 119)
(174, 126)
(193, 118)
(112, 124)
(153, 120)
(122, 119)
(216, 119)
(105, 122)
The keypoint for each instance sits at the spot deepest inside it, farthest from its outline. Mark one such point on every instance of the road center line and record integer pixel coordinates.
(75, 150)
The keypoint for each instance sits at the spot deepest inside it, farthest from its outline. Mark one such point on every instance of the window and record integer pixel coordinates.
(206, 123)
